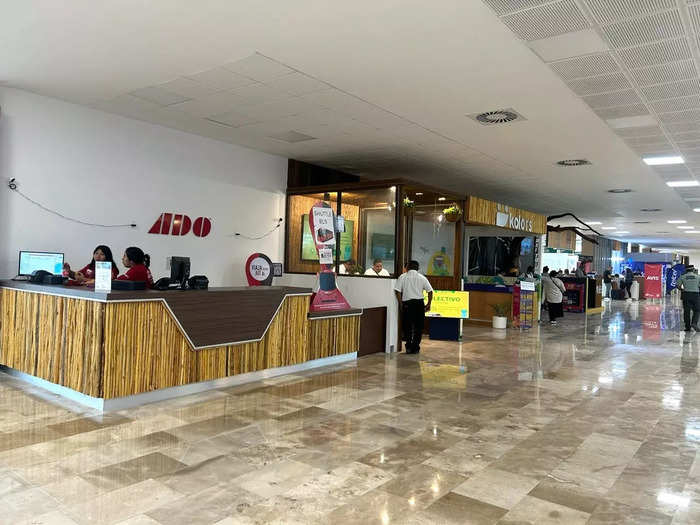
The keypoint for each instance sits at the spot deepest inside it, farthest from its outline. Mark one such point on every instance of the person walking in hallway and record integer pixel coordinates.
(607, 282)
(554, 294)
(409, 292)
(629, 278)
(690, 293)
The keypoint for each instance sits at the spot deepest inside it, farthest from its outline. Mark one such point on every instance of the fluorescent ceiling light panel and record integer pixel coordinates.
(569, 45)
(696, 210)
(609, 228)
(677, 221)
(685, 227)
(692, 231)
(682, 183)
(592, 222)
(622, 232)
(663, 161)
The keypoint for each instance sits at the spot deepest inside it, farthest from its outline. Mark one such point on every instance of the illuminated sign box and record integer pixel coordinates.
(449, 303)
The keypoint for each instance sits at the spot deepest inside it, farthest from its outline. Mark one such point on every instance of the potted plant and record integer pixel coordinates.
(500, 315)
(453, 213)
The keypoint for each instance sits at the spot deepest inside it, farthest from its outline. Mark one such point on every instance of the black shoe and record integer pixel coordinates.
(687, 330)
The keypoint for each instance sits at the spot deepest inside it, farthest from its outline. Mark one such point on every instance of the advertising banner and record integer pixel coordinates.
(449, 303)
(652, 281)
(672, 275)
(322, 225)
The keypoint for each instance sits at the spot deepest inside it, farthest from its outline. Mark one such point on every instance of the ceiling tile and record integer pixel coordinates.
(652, 139)
(676, 104)
(631, 122)
(258, 94)
(259, 68)
(231, 118)
(688, 135)
(606, 11)
(210, 105)
(677, 89)
(220, 78)
(600, 84)
(645, 29)
(547, 20)
(622, 111)
(503, 7)
(569, 45)
(643, 131)
(587, 66)
(187, 88)
(656, 53)
(297, 84)
(158, 95)
(665, 73)
(683, 127)
(616, 98)
(681, 116)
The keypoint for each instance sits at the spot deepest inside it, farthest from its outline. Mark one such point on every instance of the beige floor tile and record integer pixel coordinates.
(534, 510)
(497, 487)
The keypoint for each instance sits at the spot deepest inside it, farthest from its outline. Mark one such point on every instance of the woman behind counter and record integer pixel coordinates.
(137, 263)
(87, 274)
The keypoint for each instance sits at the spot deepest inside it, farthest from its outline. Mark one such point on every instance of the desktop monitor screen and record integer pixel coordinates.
(179, 269)
(29, 262)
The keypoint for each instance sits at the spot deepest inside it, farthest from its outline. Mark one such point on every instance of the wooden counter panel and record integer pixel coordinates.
(480, 304)
(54, 338)
(322, 338)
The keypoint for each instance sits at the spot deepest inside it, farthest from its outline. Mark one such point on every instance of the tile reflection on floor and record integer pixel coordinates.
(596, 420)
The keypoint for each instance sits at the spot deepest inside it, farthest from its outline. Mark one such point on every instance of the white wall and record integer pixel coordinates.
(108, 169)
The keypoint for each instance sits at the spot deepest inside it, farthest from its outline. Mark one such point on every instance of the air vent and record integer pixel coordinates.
(573, 162)
(650, 209)
(498, 116)
(620, 190)
(642, 222)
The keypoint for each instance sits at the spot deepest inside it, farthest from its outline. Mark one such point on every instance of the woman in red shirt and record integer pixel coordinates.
(137, 263)
(87, 274)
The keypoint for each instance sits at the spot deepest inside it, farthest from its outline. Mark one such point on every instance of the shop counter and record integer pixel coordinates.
(482, 296)
(124, 343)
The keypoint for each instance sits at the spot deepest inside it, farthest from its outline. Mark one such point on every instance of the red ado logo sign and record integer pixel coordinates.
(179, 224)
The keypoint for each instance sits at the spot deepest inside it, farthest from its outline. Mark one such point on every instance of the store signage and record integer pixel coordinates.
(652, 281)
(178, 224)
(259, 270)
(322, 225)
(103, 276)
(449, 303)
(505, 218)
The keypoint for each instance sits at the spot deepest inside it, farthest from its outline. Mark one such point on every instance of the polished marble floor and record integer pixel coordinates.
(596, 420)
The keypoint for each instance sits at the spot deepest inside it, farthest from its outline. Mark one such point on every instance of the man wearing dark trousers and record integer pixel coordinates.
(409, 291)
(690, 292)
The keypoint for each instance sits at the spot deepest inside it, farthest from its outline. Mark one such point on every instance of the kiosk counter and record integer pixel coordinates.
(124, 343)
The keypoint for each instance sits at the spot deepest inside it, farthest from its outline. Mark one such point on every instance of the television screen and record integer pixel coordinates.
(308, 247)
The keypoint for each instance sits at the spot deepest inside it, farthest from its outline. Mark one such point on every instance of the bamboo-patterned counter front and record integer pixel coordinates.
(115, 349)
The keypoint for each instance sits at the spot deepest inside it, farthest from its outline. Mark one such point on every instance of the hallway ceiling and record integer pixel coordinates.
(392, 89)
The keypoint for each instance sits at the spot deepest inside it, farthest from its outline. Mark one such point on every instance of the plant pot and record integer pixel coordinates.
(499, 322)
(452, 217)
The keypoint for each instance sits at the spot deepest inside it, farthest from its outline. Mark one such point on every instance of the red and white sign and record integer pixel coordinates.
(653, 285)
(179, 224)
(258, 270)
(322, 225)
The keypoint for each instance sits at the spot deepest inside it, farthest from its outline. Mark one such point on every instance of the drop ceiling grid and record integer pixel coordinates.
(651, 67)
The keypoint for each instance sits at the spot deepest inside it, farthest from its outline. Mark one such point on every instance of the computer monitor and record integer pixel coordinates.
(29, 262)
(179, 270)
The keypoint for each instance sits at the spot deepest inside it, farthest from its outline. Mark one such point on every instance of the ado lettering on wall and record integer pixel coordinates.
(179, 224)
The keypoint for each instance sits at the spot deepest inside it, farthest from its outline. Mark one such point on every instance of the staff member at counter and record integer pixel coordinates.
(137, 263)
(409, 291)
(102, 254)
(377, 269)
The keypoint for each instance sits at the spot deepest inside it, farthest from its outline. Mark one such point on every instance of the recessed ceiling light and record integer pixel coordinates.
(593, 222)
(419, 193)
(682, 183)
(650, 209)
(663, 161)
(574, 162)
(442, 198)
(620, 190)
(609, 228)
(685, 227)
(696, 209)
(676, 222)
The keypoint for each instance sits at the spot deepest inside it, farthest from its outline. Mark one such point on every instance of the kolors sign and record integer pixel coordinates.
(505, 218)
(178, 224)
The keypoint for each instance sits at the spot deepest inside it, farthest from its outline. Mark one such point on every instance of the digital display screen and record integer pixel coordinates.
(30, 262)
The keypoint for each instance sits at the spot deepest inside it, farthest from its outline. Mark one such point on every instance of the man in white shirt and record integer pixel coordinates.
(377, 270)
(409, 291)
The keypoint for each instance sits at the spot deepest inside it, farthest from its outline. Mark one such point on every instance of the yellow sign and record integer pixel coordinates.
(449, 303)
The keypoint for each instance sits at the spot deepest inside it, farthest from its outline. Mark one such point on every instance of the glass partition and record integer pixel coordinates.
(433, 240)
